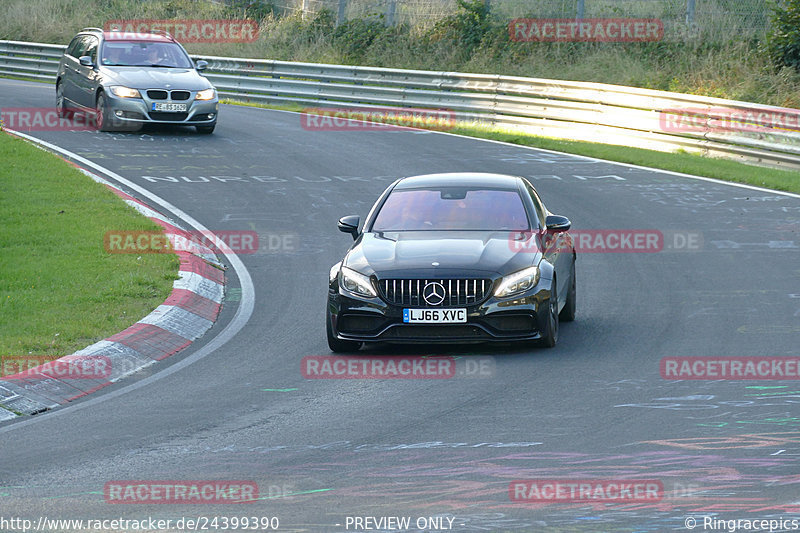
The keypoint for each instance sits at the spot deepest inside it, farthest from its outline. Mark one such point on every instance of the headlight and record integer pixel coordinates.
(518, 282)
(205, 94)
(334, 271)
(356, 283)
(125, 92)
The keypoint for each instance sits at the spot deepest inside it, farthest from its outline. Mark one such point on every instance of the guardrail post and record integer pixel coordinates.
(690, 11)
(341, 13)
(305, 10)
(579, 14)
(391, 9)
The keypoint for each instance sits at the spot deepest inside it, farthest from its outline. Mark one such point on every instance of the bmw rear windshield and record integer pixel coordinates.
(452, 209)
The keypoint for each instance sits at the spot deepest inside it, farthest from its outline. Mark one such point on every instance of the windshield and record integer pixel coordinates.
(452, 208)
(144, 54)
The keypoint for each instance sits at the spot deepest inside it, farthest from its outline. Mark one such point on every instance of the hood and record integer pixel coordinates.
(458, 253)
(156, 78)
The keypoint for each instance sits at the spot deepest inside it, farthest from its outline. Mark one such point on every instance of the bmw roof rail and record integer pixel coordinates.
(92, 29)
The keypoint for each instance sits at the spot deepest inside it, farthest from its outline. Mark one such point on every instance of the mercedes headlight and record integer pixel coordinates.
(125, 92)
(518, 282)
(355, 282)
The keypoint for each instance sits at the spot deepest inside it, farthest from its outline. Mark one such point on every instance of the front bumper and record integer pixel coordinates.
(521, 318)
(140, 110)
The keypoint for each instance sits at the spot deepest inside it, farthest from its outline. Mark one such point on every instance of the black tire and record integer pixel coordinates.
(61, 105)
(338, 345)
(102, 118)
(550, 332)
(206, 129)
(568, 313)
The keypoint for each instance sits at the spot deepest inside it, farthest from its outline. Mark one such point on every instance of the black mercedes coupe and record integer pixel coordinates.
(453, 258)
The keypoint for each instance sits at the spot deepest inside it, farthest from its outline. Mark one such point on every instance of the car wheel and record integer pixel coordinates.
(206, 129)
(101, 114)
(338, 345)
(568, 313)
(550, 333)
(61, 104)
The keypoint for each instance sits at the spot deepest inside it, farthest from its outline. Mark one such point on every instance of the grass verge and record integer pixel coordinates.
(60, 290)
(697, 165)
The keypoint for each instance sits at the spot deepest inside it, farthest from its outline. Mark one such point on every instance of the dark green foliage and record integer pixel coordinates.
(355, 36)
(783, 41)
(250, 9)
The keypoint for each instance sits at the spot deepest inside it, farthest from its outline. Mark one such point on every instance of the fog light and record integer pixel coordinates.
(119, 113)
(211, 116)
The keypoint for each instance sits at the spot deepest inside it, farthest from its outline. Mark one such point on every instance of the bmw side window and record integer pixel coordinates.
(91, 49)
(80, 46)
(72, 49)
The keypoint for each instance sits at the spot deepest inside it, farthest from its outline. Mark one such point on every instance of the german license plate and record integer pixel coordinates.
(434, 316)
(164, 106)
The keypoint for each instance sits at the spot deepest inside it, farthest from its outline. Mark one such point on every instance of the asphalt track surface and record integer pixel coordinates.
(325, 449)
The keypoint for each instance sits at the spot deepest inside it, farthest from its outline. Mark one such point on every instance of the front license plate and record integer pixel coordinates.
(164, 106)
(434, 316)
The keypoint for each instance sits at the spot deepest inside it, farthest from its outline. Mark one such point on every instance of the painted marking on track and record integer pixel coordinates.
(279, 390)
(289, 494)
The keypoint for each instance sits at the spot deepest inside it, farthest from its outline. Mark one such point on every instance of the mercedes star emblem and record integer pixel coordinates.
(433, 293)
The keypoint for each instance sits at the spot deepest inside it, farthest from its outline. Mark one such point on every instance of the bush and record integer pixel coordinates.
(783, 41)
(355, 36)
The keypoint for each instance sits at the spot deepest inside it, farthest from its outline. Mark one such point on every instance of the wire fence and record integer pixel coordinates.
(712, 19)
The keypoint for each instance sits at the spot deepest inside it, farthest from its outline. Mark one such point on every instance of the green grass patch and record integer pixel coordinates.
(697, 165)
(60, 290)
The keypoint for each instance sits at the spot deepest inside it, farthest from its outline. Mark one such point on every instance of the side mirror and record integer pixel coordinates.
(86, 61)
(349, 224)
(201, 65)
(557, 223)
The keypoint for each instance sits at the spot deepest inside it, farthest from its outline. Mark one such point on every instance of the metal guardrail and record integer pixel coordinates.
(594, 112)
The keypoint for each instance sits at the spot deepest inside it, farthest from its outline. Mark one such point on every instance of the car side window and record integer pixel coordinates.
(91, 48)
(541, 212)
(72, 49)
(81, 45)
